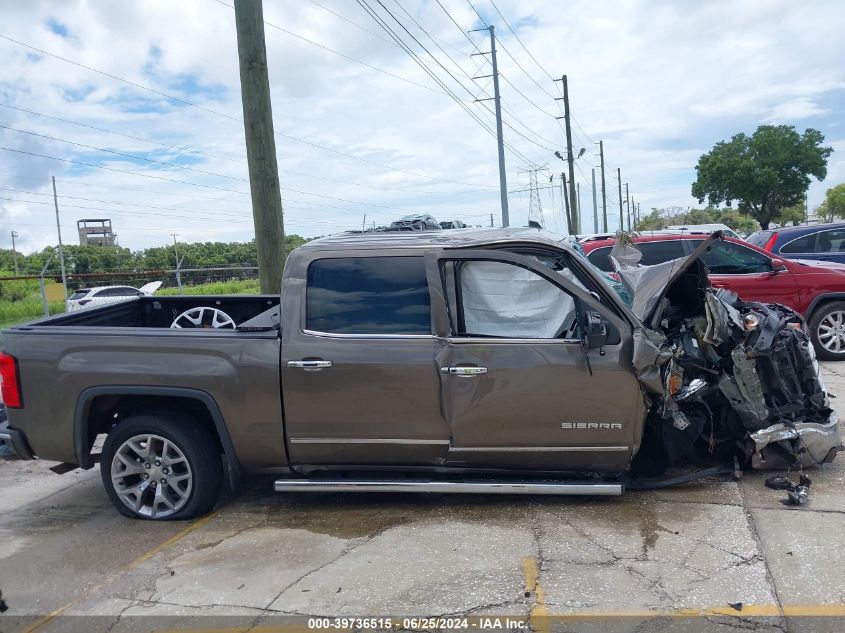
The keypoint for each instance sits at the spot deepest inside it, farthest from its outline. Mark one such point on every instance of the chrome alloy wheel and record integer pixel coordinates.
(831, 332)
(151, 475)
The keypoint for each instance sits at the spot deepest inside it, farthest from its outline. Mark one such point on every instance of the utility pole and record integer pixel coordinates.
(14, 251)
(364, 223)
(59, 229)
(565, 195)
(503, 179)
(603, 189)
(621, 212)
(628, 205)
(595, 205)
(576, 221)
(491, 220)
(175, 246)
(260, 144)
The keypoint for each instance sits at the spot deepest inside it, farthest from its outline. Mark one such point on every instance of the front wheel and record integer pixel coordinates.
(827, 329)
(160, 466)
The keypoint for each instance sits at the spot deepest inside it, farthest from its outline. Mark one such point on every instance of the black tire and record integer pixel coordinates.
(820, 314)
(198, 446)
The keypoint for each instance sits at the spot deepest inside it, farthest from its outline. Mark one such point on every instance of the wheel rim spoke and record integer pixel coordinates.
(151, 476)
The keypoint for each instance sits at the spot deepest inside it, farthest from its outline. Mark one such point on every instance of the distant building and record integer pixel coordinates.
(96, 232)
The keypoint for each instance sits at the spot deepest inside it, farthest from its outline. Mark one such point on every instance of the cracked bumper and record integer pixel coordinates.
(807, 443)
(13, 444)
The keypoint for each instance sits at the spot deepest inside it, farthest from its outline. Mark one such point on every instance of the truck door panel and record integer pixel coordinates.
(518, 393)
(359, 378)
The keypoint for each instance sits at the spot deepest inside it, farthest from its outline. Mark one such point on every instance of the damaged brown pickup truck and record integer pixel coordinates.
(457, 361)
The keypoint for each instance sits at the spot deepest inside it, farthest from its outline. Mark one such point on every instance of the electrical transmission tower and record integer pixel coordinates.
(536, 175)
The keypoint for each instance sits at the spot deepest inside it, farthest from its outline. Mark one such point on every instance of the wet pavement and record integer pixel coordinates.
(714, 555)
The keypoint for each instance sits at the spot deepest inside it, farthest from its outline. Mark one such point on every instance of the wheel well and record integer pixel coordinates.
(107, 411)
(821, 302)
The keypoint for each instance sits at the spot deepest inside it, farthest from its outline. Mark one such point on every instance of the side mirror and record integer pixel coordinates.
(596, 330)
(777, 265)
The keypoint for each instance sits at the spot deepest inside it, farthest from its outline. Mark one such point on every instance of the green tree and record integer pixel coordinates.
(764, 173)
(651, 222)
(739, 222)
(794, 214)
(835, 202)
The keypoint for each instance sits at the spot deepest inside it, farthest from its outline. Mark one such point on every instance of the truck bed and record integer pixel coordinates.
(74, 363)
(160, 312)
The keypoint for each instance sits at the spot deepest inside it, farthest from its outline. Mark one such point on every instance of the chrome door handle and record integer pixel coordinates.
(464, 371)
(310, 365)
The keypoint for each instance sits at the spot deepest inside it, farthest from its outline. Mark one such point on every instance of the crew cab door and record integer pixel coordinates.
(749, 273)
(359, 381)
(515, 380)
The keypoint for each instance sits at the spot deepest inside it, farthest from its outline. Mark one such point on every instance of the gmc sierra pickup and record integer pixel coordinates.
(462, 361)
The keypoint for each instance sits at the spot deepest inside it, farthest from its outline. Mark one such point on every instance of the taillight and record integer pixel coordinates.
(10, 383)
(770, 243)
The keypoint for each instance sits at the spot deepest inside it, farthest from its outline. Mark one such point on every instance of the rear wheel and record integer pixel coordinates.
(827, 329)
(161, 466)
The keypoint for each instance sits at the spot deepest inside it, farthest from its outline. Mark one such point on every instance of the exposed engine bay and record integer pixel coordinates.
(723, 377)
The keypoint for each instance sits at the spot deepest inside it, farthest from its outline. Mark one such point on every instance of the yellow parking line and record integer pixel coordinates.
(129, 566)
(531, 573)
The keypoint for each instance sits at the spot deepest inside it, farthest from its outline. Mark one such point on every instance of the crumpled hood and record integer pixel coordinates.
(647, 285)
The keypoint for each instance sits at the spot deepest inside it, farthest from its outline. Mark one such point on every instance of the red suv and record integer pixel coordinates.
(813, 288)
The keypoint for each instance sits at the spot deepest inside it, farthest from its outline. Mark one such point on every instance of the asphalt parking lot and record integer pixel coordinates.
(645, 561)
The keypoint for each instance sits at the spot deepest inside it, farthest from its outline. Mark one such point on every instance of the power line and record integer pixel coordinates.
(344, 55)
(210, 173)
(129, 136)
(195, 184)
(380, 21)
(238, 119)
(510, 28)
(468, 77)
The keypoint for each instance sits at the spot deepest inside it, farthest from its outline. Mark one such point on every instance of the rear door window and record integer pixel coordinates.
(831, 241)
(368, 295)
(804, 244)
(661, 251)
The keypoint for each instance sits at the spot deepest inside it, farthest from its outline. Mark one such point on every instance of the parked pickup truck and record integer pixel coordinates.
(463, 361)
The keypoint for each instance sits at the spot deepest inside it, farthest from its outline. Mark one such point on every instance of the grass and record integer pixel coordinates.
(232, 287)
(30, 307)
(27, 309)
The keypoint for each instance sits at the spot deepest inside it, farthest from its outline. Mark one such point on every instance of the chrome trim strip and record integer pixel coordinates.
(463, 340)
(367, 336)
(536, 449)
(344, 440)
(455, 487)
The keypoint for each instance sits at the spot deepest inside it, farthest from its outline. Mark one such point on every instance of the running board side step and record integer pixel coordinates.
(503, 487)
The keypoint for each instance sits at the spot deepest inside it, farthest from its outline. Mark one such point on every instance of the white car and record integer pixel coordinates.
(87, 297)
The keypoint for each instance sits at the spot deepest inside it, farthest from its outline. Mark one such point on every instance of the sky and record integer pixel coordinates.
(135, 107)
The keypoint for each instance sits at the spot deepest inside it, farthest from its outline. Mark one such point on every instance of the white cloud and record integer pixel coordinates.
(659, 82)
